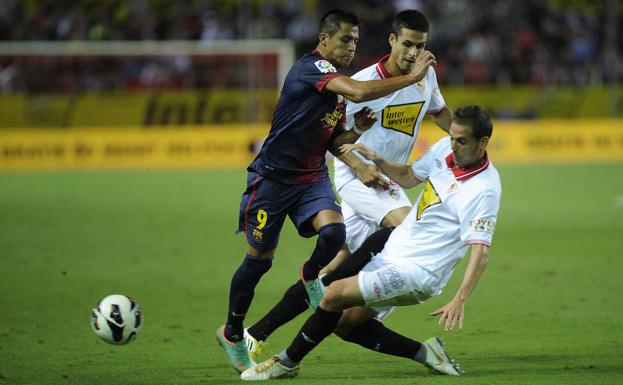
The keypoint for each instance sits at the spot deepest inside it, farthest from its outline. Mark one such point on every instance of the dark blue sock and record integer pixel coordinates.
(331, 238)
(241, 293)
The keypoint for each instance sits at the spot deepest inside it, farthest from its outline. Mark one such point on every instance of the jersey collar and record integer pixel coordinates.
(462, 175)
(380, 69)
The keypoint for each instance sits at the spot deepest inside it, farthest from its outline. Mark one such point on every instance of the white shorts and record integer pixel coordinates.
(364, 208)
(384, 284)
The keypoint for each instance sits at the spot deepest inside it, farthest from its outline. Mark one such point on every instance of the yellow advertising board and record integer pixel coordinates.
(234, 146)
(543, 141)
(138, 148)
(187, 108)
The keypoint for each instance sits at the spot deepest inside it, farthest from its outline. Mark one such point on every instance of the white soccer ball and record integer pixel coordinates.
(117, 319)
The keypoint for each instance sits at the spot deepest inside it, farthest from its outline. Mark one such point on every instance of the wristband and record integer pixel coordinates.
(357, 130)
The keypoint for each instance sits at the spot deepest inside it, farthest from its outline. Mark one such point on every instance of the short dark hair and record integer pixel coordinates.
(410, 19)
(330, 22)
(475, 117)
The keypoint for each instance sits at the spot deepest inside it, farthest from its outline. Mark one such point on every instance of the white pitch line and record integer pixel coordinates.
(618, 202)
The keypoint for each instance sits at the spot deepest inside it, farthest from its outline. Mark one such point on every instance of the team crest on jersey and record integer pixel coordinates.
(428, 198)
(454, 187)
(331, 119)
(392, 189)
(324, 66)
(482, 225)
(402, 117)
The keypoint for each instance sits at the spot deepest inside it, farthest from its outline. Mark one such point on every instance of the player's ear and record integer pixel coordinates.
(323, 38)
(482, 143)
(392, 39)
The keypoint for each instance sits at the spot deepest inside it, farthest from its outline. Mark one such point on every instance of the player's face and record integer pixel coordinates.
(340, 47)
(466, 149)
(406, 47)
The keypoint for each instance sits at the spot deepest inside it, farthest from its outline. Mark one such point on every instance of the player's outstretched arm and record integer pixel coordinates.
(454, 311)
(443, 118)
(401, 173)
(368, 174)
(361, 91)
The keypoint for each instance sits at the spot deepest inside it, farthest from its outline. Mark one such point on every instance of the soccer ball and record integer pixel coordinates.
(117, 319)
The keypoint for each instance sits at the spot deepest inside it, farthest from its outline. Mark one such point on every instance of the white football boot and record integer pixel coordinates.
(271, 369)
(438, 361)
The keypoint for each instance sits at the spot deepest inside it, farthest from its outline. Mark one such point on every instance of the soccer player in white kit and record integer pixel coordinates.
(399, 116)
(456, 210)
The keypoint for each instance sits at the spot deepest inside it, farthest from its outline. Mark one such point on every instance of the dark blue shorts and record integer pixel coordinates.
(265, 204)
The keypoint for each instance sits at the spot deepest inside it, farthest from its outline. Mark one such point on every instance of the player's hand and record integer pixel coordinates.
(360, 148)
(451, 314)
(370, 176)
(365, 118)
(419, 69)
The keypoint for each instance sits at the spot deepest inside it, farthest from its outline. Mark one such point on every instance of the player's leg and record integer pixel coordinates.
(361, 326)
(318, 213)
(242, 289)
(339, 258)
(329, 226)
(293, 302)
(262, 212)
(410, 285)
(339, 296)
(395, 217)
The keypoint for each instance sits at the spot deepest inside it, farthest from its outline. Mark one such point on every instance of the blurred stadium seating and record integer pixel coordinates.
(139, 63)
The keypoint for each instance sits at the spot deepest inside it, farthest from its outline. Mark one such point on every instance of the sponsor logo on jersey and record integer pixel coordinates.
(428, 198)
(402, 117)
(482, 225)
(324, 66)
(390, 279)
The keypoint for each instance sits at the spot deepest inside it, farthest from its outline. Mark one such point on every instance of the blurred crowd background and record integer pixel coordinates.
(503, 42)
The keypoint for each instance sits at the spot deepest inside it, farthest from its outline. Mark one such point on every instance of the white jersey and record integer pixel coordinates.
(399, 115)
(456, 208)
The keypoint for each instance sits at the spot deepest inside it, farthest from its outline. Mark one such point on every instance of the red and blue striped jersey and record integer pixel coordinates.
(303, 122)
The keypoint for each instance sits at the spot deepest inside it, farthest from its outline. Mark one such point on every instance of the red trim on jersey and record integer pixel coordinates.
(322, 83)
(246, 209)
(380, 69)
(461, 175)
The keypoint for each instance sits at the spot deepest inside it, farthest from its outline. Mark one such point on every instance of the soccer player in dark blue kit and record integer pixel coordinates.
(289, 176)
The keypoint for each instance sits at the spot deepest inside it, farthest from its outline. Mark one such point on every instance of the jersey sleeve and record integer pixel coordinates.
(318, 73)
(437, 102)
(478, 218)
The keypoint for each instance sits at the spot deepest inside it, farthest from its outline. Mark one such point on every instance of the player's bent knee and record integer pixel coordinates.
(395, 217)
(333, 235)
(331, 300)
(347, 323)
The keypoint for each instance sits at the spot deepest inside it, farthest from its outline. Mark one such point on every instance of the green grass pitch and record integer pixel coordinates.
(548, 310)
